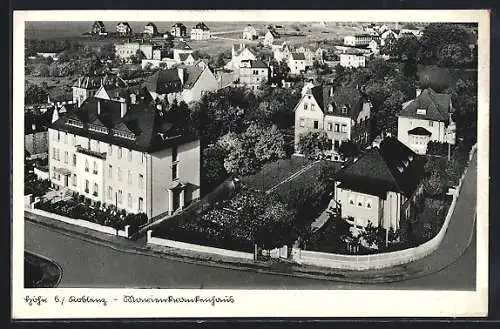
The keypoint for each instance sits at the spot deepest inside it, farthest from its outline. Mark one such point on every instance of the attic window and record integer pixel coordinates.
(405, 163)
(330, 108)
(400, 169)
(421, 111)
(74, 123)
(410, 158)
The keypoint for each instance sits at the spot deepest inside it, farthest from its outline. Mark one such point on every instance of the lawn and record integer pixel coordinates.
(274, 172)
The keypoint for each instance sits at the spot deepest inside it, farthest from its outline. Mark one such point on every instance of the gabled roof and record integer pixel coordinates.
(179, 25)
(192, 74)
(201, 26)
(390, 167)
(184, 56)
(342, 96)
(124, 23)
(298, 56)
(99, 23)
(436, 106)
(257, 64)
(164, 82)
(182, 45)
(151, 24)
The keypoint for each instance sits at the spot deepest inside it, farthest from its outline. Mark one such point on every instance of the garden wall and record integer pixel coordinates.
(197, 248)
(80, 222)
(365, 262)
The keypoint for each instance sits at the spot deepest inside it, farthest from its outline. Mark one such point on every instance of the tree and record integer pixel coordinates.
(212, 166)
(35, 94)
(454, 55)
(435, 186)
(270, 145)
(464, 100)
(313, 143)
(348, 149)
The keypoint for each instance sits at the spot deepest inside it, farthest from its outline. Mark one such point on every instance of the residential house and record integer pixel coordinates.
(388, 35)
(351, 49)
(357, 40)
(150, 29)
(352, 60)
(178, 30)
(125, 152)
(281, 52)
(128, 49)
(270, 37)
(239, 53)
(184, 83)
(98, 28)
(415, 32)
(426, 118)
(297, 63)
(253, 73)
(200, 32)
(311, 55)
(249, 33)
(343, 113)
(382, 187)
(374, 47)
(123, 28)
(88, 85)
(181, 48)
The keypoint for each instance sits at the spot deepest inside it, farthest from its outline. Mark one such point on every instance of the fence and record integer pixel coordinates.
(80, 222)
(198, 248)
(376, 261)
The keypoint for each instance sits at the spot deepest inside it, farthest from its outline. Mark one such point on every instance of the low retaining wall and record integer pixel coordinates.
(376, 261)
(80, 222)
(197, 248)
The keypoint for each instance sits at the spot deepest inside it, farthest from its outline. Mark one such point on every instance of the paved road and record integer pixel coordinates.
(86, 264)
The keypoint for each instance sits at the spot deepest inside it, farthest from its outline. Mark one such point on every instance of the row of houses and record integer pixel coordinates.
(178, 30)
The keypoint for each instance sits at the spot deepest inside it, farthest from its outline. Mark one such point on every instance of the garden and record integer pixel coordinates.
(79, 207)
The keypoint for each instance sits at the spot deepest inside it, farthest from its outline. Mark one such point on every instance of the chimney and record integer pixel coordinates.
(417, 92)
(123, 107)
(98, 106)
(180, 73)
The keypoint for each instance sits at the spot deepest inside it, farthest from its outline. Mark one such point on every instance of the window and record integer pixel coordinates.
(302, 122)
(58, 154)
(65, 138)
(368, 203)
(312, 106)
(344, 128)
(351, 199)
(315, 124)
(431, 123)
(129, 155)
(421, 111)
(141, 204)
(54, 172)
(337, 128)
(110, 193)
(174, 154)
(86, 186)
(129, 177)
(359, 201)
(344, 109)
(142, 157)
(305, 106)
(119, 174)
(336, 145)
(110, 171)
(74, 160)
(74, 179)
(141, 180)
(95, 168)
(87, 165)
(174, 171)
(66, 156)
(74, 140)
(129, 200)
(54, 153)
(120, 196)
(110, 149)
(119, 152)
(330, 126)
(58, 136)
(96, 187)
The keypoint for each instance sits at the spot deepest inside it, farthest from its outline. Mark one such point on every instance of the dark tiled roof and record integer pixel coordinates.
(274, 33)
(201, 26)
(192, 74)
(142, 120)
(258, 64)
(164, 82)
(419, 131)
(436, 106)
(342, 96)
(179, 25)
(390, 167)
(298, 56)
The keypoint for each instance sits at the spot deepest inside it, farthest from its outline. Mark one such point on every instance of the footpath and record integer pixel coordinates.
(457, 239)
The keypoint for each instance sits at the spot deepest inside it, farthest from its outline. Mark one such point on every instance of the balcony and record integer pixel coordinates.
(95, 154)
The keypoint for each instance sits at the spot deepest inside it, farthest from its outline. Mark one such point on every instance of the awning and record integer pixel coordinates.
(420, 131)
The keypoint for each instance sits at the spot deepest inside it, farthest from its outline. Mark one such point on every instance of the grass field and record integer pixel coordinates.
(274, 172)
(307, 178)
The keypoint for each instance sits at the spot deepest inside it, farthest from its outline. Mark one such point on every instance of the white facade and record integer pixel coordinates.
(249, 33)
(199, 34)
(205, 83)
(439, 133)
(352, 60)
(357, 40)
(297, 66)
(125, 50)
(269, 39)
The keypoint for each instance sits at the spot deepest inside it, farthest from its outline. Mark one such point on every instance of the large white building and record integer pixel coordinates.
(88, 85)
(357, 40)
(200, 32)
(352, 60)
(125, 152)
(249, 33)
(128, 49)
(253, 73)
(426, 118)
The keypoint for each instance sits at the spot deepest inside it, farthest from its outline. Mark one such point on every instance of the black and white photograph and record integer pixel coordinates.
(226, 162)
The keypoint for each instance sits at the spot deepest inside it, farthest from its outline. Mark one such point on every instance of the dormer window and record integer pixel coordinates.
(74, 123)
(405, 163)
(400, 169)
(421, 111)
(410, 158)
(330, 108)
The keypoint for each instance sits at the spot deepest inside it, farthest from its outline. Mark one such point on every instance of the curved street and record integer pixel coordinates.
(89, 264)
